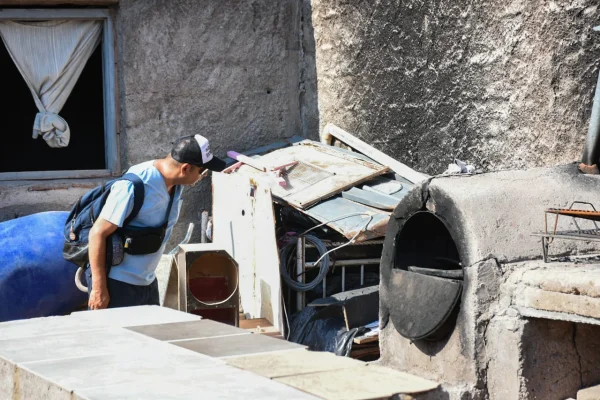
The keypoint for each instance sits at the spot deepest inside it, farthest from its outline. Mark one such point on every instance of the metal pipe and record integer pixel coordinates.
(300, 272)
(203, 227)
(343, 279)
(591, 151)
(350, 263)
(362, 275)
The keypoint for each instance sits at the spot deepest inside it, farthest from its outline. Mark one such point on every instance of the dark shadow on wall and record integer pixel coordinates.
(308, 90)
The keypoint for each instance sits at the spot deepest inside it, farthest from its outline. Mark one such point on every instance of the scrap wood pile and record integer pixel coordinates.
(331, 203)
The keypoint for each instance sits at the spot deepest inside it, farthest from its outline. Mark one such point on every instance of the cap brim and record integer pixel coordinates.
(216, 164)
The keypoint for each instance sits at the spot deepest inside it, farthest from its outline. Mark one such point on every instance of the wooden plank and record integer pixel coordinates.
(359, 383)
(110, 95)
(32, 14)
(277, 365)
(366, 339)
(371, 152)
(44, 175)
(325, 173)
(33, 3)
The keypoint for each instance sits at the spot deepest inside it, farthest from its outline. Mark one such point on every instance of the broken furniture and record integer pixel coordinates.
(208, 282)
(331, 212)
(510, 313)
(591, 234)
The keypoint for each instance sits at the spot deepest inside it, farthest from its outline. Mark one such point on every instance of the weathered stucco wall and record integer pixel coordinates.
(226, 69)
(222, 68)
(498, 84)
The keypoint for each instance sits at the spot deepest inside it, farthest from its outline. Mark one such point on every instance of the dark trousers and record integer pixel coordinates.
(127, 295)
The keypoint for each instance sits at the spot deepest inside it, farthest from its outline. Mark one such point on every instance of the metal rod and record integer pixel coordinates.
(338, 244)
(300, 272)
(362, 275)
(591, 149)
(324, 286)
(343, 279)
(350, 263)
(203, 227)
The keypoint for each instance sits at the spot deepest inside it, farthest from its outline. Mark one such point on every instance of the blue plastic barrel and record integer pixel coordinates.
(35, 279)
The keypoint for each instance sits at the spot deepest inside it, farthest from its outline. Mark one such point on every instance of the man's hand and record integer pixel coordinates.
(99, 298)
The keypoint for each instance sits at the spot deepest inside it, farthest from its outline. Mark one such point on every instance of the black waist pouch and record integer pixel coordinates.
(143, 240)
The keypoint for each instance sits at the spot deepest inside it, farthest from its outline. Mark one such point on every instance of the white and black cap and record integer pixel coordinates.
(195, 150)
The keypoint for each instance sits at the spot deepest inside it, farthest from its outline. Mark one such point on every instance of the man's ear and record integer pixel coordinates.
(185, 168)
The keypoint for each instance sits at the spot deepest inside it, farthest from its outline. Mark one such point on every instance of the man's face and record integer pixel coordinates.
(194, 175)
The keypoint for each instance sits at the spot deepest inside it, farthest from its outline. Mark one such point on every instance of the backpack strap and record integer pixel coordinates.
(138, 195)
(172, 196)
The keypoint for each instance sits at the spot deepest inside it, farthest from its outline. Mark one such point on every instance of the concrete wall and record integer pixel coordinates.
(223, 68)
(498, 84)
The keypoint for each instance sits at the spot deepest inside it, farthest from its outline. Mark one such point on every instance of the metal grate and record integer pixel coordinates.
(299, 177)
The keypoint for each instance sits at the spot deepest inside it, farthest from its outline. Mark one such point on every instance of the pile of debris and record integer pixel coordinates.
(312, 215)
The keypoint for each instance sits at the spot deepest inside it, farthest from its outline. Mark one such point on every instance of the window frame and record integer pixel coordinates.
(111, 151)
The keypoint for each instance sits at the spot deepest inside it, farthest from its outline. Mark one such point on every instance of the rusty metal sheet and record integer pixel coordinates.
(323, 172)
(337, 207)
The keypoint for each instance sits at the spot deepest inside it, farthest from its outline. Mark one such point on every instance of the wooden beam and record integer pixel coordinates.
(28, 3)
(403, 170)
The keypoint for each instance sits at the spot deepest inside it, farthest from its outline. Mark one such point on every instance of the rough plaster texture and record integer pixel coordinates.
(498, 84)
(226, 69)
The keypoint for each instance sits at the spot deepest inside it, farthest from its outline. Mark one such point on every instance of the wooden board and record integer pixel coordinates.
(359, 383)
(328, 170)
(58, 2)
(366, 339)
(276, 365)
(371, 152)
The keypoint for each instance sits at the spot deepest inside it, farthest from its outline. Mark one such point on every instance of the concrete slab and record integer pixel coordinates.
(161, 362)
(230, 346)
(134, 316)
(44, 326)
(279, 364)
(591, 393)
(188, 330)
(359, 383)
(75, 344)
(220, 383)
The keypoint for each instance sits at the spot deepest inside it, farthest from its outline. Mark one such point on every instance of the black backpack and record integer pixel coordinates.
(84, 214)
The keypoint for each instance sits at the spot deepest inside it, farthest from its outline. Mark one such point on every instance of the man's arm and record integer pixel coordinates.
(102, 229)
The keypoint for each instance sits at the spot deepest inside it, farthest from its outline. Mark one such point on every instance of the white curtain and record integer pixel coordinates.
(51, 55)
